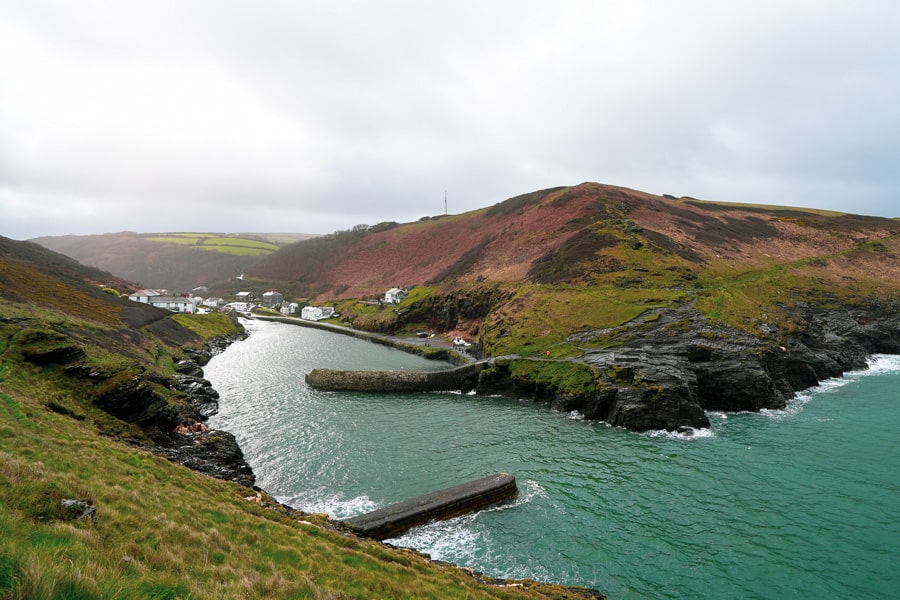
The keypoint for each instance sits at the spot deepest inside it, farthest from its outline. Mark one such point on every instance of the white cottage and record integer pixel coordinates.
(272, 299)
(394, 296)
(177, 304)
(144, 295)
(316, 313)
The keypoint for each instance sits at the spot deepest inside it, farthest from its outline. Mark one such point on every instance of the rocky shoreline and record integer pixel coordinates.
(210, 451)
(175, 429)
(669, 367)
(665, 369)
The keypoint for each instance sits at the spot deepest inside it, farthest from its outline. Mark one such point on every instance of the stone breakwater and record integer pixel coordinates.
(396, 519)
(461, 378)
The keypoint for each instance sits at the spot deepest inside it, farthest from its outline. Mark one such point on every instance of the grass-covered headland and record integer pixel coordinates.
(89, 510)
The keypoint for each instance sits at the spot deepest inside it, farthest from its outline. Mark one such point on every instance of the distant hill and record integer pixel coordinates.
(175, 261)
(582, 234)
(553, 262)
(43, 280)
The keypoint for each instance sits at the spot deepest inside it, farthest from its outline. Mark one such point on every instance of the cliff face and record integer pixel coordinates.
(658, 379)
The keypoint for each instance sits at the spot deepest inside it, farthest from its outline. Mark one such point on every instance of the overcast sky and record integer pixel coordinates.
(239, 116)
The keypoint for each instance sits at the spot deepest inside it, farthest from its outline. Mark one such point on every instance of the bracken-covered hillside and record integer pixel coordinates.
(577, 234)
(528, 273)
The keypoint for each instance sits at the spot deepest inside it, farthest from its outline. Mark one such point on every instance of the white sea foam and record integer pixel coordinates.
(792, 408)
(459, 393)
(684, 433)
(463, 539)
(882, 363)
(532, 490)
(878, 364)
(455, 540)
(336, 507)
(800, 399)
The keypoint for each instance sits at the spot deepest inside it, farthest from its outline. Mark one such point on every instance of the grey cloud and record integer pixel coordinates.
(316, 117)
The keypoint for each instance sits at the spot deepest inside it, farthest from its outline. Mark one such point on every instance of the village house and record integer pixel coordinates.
(245, 297)
(316, 313)
(144, 295)
(240, 307)
(214, 302)
(394, 296)
(179, 304)
(272, 299)
(290, 308)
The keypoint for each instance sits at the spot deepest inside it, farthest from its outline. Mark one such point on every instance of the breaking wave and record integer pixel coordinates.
(334, 506)
(683, 433)
(878, 364)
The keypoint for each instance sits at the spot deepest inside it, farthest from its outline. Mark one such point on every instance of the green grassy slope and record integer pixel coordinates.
(159, 530)
(162, 531)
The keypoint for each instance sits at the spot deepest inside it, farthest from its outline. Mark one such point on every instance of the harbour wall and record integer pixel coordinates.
(396, 519)
(462, 378)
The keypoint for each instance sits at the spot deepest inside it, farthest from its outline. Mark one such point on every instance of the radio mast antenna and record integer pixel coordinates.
(445, 203)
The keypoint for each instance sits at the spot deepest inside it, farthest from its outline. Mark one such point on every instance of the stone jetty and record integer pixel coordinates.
(396, 519)
(463, 378)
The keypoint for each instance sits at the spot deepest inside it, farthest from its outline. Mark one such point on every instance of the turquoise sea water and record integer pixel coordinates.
(798, 503)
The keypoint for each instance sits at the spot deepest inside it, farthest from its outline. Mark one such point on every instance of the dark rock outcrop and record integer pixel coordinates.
(171, 412)
(200, 394)
(213, 452)
(188, 367)
(135, 401)
(641, 382)
(59, 355)
(672, 365)
(42, 347)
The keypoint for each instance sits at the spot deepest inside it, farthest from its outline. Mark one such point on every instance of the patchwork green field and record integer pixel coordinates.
(229, 244)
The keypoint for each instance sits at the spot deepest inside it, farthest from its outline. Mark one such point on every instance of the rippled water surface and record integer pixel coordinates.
(799, 503)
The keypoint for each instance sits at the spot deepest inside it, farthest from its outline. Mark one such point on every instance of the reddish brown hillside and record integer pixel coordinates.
(561, 234)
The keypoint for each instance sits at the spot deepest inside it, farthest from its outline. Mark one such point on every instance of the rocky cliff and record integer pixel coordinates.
(666, 371)
(170, 411)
